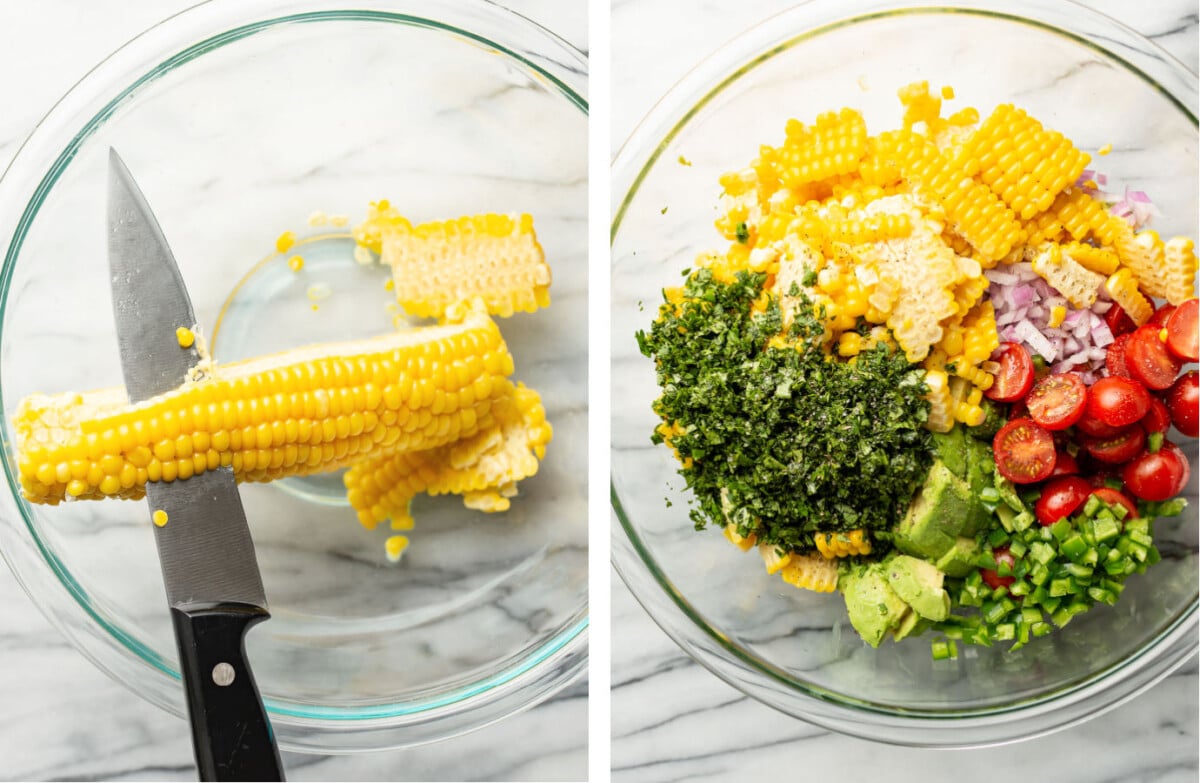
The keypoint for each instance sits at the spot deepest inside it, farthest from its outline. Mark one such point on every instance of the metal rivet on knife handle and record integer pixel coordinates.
(223, 674)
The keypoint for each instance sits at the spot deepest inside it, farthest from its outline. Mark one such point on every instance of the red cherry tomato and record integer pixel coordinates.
(1183, 401)
(1162, 314)
(1057, 401)
(1015, 376)
(1061, 498)
(1114, 357)
(1118, 320)
(1158, 476)
(1024, 451)
(1122, 447)
(1157, 418)
(993, 579)
(1118, 402)
(1064, 465)
(1115, 497)
(1148, 359)
(1183, 334)
(1095, 428)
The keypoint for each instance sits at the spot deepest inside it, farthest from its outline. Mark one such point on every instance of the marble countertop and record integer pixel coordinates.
(671, 719)
(60, 717)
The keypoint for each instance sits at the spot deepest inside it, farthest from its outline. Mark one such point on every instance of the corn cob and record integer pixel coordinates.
(941, 405)
(1100, 260)
(382, 218)
(483, 469)
(811, 572)
(1023, 163)
(494, 257)
(851, 542)
(310, 410)
(1162, 269)
(773, 558)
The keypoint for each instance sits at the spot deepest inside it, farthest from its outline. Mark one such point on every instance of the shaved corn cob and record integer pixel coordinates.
(851, 542)
(305, 411)
(1100, 260)
(1023, 163)
(1162, 269)
(483, 468)
(1122, 287)
(382, 218)
(773, 558)
(1079, 285)
(811, 572)
(495, 257)
(743, 543)
(941, 406)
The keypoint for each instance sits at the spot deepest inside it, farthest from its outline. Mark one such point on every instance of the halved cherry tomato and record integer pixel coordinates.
(1064, 465)
(1118, 320)
(1158, 476)
(1115, 497)
(993, 579)
(1024, 451)
(1117, 402)
(1183, 333)
(1061, 498)
(1122, 447)
(1015, 376)
(1160, 316)
(1157, 418)
(1114, 358)
(1183, 401)
(1057, 401)
(1148, 359)
(1094, 427)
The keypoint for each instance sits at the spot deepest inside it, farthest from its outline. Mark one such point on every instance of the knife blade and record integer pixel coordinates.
(209, 566)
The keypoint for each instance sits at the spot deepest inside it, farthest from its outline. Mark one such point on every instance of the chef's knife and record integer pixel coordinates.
(213, 584)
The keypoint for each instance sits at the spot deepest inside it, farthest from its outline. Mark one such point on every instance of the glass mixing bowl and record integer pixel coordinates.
(240, 120)
(1077, 71)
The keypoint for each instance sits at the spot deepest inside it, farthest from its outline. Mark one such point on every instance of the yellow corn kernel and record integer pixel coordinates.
(382, 218)
(185, 337)
(850, 344)
(395, 546)
(296, 263)
(1023, 163)
(919, 104)
(1100, 260)
(1058, 313)
(160, 517)
(477, 468)
(980, 337)
(1107, 148)
(443, 378)
(851, 542)
(811, 572)
(743, 543)
(773, 558)
(285, 241)
(438, 265)
(1123, 289)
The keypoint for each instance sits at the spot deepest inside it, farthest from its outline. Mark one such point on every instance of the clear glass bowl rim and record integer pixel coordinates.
(31, 175)
(1087, 697)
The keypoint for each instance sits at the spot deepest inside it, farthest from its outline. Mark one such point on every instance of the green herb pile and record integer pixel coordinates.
(784, 441)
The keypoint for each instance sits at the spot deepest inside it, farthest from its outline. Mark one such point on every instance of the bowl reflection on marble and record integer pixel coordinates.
(1079, 73)
(240, 119)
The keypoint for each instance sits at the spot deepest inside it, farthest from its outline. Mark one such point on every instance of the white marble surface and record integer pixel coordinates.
(60, 717)
(671, 719)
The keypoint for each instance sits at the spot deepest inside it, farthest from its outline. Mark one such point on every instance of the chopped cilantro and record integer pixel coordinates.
(783, 441)
(743, 233)
(810, 278)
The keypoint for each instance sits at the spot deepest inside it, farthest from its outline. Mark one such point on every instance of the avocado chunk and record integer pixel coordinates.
(906, 626)
(919, 584)
(873, 606)
(981, 469)
(951, 449)
(959, 560)
(992, 422)
(936, 516)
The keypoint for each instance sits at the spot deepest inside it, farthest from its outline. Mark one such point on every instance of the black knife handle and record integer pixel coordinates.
(231, 735)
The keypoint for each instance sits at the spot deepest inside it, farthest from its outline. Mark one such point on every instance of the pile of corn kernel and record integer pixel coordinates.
(892, 232)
